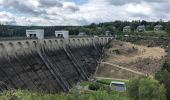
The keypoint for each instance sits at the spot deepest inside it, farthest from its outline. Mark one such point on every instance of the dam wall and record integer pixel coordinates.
(48, 65)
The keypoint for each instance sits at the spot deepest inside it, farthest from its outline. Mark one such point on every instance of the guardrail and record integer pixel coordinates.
(48, 37)
(15, 38)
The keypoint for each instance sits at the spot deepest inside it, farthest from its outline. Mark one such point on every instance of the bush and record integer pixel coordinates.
(85, 83)
(144, 88)
(95, 86)
(11, 95)
(27, 95)
(164, 77)
(166, 65)
(108, 45)
(105, 81)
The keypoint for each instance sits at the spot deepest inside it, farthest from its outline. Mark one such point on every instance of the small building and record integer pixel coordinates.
(141, 28)
(158, 27)
(127, 29)
(118, 86)
(62, 34)
(108, 33)
(82, 34)
(37, 33)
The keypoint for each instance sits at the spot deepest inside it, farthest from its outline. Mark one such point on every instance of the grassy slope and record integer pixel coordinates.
(153, 33)
(97, 95)
(74, 94)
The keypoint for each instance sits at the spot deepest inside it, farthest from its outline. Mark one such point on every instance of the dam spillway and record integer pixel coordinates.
(49, 65)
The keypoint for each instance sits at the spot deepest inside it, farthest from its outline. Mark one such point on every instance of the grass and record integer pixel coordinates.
(103, 93)
(160, 33)
(85, 83)
(97, 95)
(157, 33)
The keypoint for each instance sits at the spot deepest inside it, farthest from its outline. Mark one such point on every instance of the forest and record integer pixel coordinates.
(115, 27)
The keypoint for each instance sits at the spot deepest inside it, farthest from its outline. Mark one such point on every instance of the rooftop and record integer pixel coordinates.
(116, 82)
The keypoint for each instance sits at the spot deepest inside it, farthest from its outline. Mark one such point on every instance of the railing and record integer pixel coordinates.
(48, 37)
(15, 38)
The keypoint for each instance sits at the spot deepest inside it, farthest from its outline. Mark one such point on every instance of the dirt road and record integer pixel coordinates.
(124, 68)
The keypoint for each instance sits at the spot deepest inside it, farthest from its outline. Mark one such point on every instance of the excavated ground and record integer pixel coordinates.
(139, 58)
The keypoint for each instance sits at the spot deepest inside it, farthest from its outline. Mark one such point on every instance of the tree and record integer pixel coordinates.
(144, 88)
(168, 27)
(144, 22)
(3, 30)
(164, 77)
(166, 66)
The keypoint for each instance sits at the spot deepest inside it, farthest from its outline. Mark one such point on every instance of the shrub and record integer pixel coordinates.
(144, 88)
(95, 86)
(85, 83)
(105, 81)
(166, 65)
(10, 95)
(164, 77)
(108, 45)
(97, 95)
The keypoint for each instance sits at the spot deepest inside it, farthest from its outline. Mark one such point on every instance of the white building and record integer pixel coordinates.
(127, 29)
(141, 28)
(108, 33)
(62, 34)
(37, 33)
(158, 27)
(118, 86)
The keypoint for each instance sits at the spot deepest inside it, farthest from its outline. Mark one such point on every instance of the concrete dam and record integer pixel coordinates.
(48, 65)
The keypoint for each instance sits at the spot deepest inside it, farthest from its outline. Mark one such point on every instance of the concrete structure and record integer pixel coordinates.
(82, 34)
(127, 29)
(108, 33)
(37, 33)
(62, 34)
(141, 28)
(158, 27)
(118, 86)
(52, 65)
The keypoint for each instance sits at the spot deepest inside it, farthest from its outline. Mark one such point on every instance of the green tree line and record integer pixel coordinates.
(115, 27)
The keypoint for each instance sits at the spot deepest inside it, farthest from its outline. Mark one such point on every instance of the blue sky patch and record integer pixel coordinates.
(78, 1)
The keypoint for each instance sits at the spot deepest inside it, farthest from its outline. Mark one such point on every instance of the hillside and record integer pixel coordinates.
(139, 58)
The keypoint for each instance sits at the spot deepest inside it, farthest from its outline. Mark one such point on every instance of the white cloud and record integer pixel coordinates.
(61, 12)
(138, 8)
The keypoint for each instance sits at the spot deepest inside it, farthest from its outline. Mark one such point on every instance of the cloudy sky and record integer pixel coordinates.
(81, 12)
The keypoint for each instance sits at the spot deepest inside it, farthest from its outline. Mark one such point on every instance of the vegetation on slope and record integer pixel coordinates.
(164, 77)
(115, 27)
(145, 88)
(142, 88)
(97, 95)
(164, 74)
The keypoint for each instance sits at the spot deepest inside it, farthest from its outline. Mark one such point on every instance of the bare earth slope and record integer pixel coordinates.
(139, 58)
